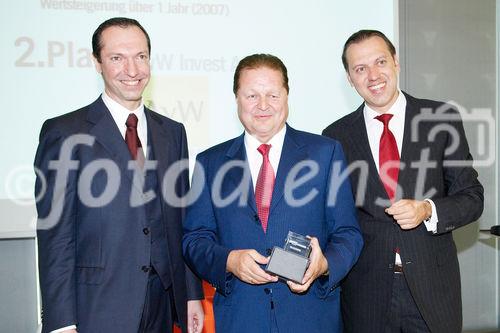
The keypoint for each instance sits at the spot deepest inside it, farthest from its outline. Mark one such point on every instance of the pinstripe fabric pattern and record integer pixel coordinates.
(430, 261)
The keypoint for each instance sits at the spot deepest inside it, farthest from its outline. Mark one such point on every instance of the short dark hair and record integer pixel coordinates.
(122, 22)
(259, 60)
(362, 35)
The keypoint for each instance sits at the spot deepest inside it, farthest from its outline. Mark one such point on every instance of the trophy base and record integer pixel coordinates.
(287, 265)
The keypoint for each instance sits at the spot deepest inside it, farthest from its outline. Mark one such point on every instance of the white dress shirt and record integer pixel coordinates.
(254, 158)
(120, 115)
(72, 327)
(374, 129)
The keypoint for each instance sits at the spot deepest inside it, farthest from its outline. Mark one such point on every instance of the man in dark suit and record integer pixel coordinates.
(253, 190)
(109, 244)
(414, 183)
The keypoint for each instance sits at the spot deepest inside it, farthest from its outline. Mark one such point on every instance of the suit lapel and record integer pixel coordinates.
(291, 154)
(410, 150)
(163, 143)
(236, 175)
(106, 132)
(108, 135)
(361, 151)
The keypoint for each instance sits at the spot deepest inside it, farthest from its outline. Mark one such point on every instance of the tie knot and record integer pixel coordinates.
(132, 121)
(264, 149)
(384, 118)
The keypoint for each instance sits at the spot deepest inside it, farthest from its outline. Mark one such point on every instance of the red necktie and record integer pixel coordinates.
(265, 185)
(132, 139)
(388, 152)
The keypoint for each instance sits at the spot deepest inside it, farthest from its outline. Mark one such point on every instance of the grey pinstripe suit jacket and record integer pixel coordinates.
(429, 260)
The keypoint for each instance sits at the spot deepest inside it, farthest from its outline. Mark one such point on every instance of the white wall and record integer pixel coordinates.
(47, 68)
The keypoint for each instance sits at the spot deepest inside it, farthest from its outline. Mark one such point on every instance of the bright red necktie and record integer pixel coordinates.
(388, 152)
(264, 187)
(132, 139)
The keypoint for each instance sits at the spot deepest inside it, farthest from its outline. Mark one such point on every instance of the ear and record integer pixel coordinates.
(396, 62)
(237, 95)
(97, 65)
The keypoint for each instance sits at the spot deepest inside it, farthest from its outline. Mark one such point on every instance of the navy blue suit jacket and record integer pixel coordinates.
(91, 260)
(212, 231)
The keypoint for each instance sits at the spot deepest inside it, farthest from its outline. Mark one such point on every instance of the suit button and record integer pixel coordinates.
(267, 291)
(145, 231)
(145, 269)
(269, 251)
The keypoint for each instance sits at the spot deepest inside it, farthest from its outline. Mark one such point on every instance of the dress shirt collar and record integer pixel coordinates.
(397, 109)
(254, 158)
(120, 113)
(374, 127)
(276, 142)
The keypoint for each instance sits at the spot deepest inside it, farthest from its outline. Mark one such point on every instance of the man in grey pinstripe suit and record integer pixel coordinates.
(407, 278)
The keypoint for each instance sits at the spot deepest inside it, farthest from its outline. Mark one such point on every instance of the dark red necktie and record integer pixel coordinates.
(132, 139)
(388, 152)
(264, 187)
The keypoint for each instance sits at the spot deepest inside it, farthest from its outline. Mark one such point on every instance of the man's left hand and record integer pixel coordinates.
(195, 316)
(318, 265)
(410, 213)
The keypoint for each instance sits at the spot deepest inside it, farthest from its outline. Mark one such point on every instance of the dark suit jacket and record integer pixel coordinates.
(429, 260)
(91, 261)
(212, 231)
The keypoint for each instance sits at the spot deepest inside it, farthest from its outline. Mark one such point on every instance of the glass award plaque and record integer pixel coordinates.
(291, 261)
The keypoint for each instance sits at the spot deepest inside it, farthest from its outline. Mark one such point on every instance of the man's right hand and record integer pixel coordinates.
(244, 264)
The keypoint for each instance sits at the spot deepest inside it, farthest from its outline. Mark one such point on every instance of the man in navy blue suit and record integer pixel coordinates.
(110, 257)
(254, 189)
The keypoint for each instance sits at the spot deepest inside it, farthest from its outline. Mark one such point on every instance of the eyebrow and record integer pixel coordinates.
(384, 56)
(124, 55)
(357, 65)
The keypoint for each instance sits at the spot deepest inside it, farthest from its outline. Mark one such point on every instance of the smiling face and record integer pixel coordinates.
(262, 102)
(373, 72)
(124, 64)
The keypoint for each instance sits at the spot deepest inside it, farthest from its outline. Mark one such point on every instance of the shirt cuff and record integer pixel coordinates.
(431, 222)
(67, 328)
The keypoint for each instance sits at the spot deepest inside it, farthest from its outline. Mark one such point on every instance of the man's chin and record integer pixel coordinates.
(134, 98)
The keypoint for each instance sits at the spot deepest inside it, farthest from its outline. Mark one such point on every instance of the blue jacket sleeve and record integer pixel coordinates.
(55, 232)
(200, 243)
(344, 236)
